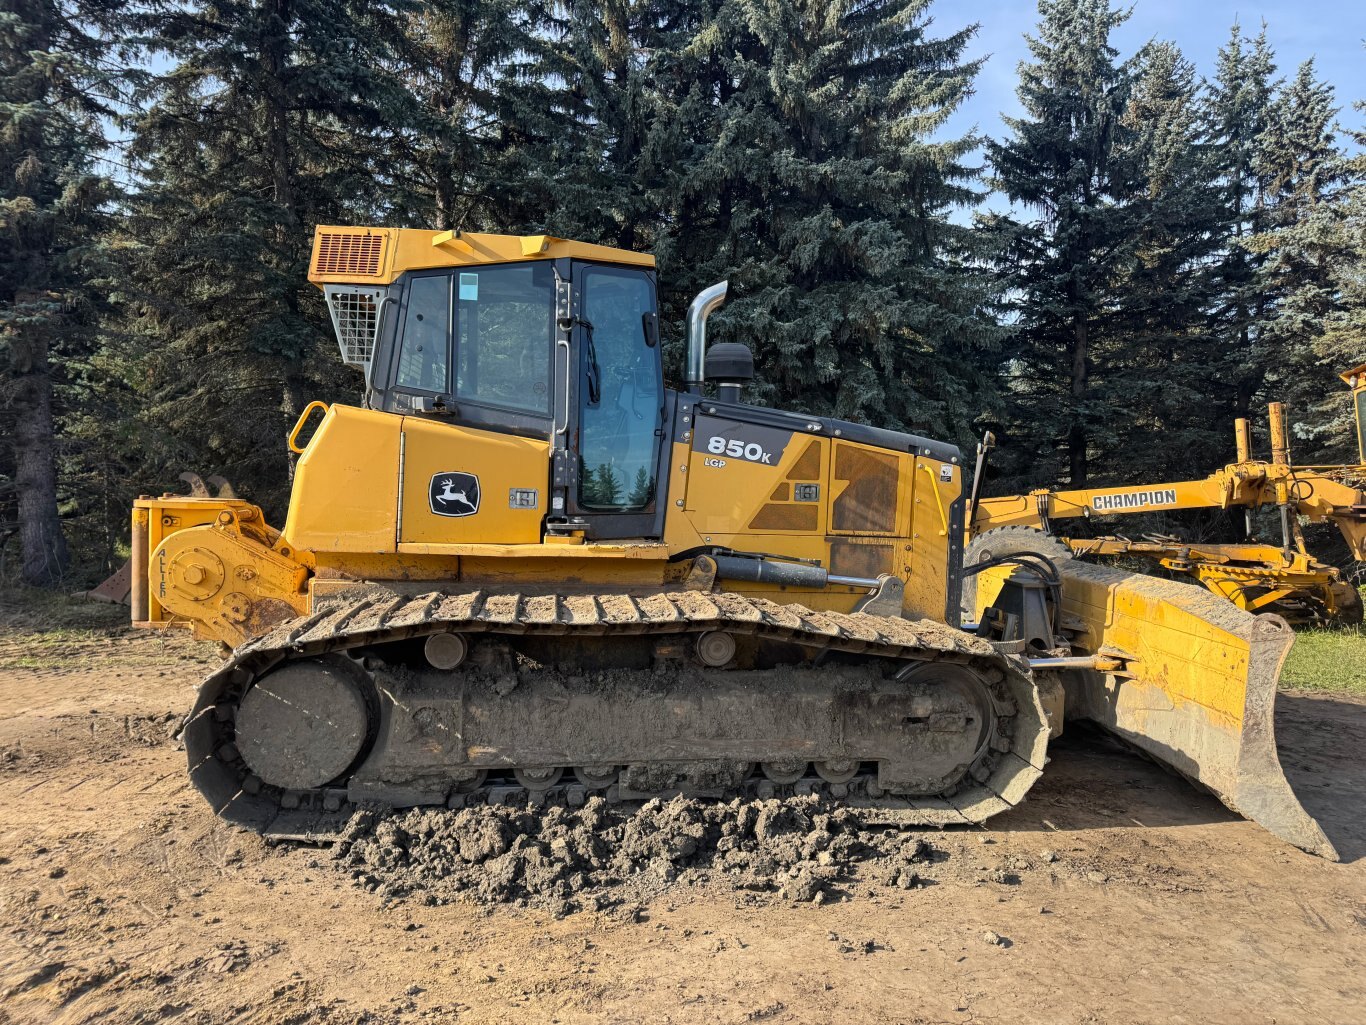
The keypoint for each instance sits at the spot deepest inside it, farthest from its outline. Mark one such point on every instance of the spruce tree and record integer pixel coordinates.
(275, 115)
(1342, 344)
(809, 171)
(590, 167)
(1074, 170)
(1238, 112)
(459, 158)
(1161, 354)
(55, 89)
(1306, 245)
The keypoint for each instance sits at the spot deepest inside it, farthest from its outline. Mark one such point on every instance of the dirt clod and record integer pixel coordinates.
(600, 856)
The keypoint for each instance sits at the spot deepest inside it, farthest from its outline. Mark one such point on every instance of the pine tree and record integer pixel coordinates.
(54, 90)
(1075, 170)
(275, 117)
(806, 168)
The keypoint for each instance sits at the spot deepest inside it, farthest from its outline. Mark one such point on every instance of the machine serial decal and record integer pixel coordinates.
(454, 493)
(750, 442)
(1133, 500)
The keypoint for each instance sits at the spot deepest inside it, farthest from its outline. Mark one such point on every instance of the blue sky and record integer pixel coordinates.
(1332, 31)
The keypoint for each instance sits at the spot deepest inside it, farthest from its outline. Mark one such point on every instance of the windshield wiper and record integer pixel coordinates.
(594, 371)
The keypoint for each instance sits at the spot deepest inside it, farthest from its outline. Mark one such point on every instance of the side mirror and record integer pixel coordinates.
(650, 322)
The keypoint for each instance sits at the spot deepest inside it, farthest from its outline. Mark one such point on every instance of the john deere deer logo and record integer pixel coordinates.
(454, 494)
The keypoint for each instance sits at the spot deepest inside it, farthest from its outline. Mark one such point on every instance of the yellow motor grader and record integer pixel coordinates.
(1255, 576)
(525, 569)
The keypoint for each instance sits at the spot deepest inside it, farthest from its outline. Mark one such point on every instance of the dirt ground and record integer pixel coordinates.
(1115, 894)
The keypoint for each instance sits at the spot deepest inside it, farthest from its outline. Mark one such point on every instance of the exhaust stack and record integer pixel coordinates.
(699, 310)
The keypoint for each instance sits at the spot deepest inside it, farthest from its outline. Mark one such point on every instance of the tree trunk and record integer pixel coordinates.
(45, 557)
(1076, 436)
(276, 52)
(293, 398)
(445, 196)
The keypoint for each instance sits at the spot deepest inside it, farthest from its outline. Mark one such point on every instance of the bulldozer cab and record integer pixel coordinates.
(527, 371)
(517, 340)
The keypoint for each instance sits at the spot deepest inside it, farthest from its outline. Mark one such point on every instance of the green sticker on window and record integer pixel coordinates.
(469, 287)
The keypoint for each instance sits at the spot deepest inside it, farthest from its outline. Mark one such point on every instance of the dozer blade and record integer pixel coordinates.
(1196, 691)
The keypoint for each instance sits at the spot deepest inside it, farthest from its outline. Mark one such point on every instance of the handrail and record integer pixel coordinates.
(294, 445)
(938, 498)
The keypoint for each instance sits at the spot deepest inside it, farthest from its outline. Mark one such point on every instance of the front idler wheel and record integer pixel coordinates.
(304, 724)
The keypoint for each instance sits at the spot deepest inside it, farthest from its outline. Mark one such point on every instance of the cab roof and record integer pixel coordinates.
(376, 256)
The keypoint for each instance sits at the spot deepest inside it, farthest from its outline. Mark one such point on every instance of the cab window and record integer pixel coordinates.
(506, 324)
(483, 336)
(422, 360)
(1361, 424)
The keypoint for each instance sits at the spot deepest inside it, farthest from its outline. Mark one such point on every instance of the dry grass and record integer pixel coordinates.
(46, 630)
(35, 612)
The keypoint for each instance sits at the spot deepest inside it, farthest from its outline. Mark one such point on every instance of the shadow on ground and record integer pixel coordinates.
(1322, 744)
(1094, 781)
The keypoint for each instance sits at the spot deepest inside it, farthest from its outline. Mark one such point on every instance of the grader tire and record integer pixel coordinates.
(1002, 541)
(1349, 610)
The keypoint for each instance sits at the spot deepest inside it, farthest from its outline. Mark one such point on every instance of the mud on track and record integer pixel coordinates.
(1115, 894)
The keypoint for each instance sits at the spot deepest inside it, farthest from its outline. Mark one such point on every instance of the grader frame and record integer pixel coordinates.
(1254, 575)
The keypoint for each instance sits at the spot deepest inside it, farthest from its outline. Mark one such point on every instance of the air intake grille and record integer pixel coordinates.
(339, 253)
(355, 318)
(868, 504)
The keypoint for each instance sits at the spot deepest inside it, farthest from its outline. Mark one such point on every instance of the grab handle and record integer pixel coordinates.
(294, 445)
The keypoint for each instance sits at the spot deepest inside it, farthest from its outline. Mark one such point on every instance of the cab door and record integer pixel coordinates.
(474, 355)
(616, 427)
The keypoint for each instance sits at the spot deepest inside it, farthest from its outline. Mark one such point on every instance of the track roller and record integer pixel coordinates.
(783, 772)
(537, 780)
(841, 771)
(596, 777)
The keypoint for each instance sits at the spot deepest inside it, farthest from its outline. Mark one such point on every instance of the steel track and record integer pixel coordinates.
(996, 782)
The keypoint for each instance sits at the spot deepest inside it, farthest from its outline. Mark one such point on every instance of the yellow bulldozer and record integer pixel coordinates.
(524, 569)
(1254, 575)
